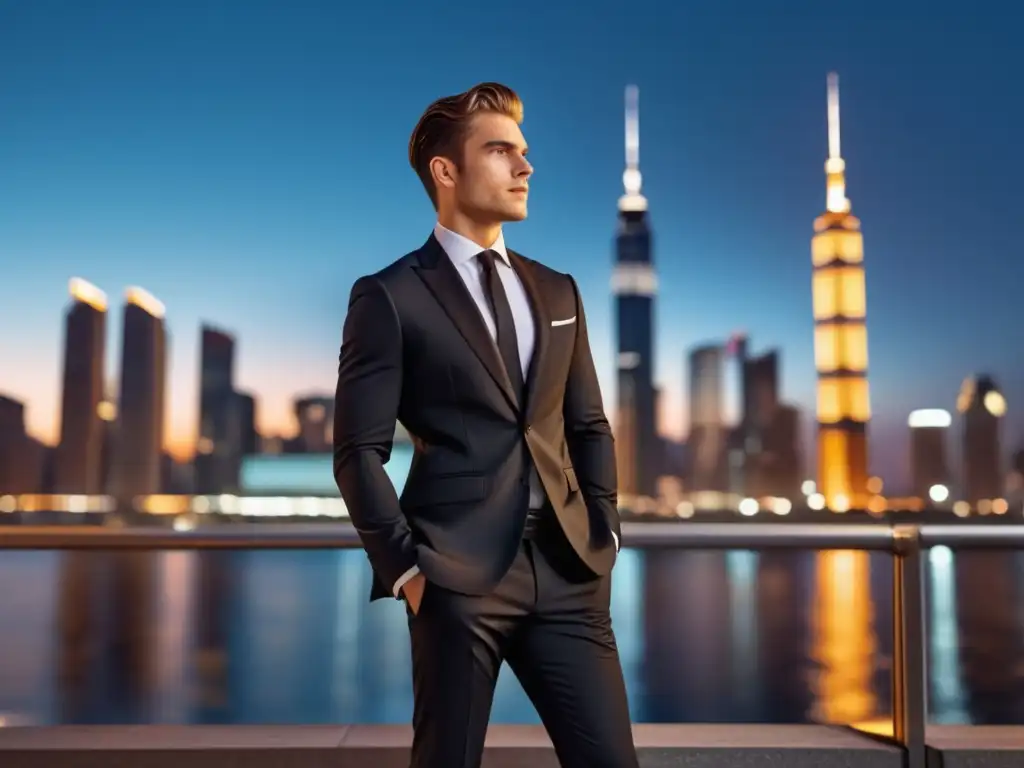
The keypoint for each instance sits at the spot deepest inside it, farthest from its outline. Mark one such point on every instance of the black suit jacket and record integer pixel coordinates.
(416, 349)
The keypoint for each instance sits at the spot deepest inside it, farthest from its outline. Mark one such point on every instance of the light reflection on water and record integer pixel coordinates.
(289, 637)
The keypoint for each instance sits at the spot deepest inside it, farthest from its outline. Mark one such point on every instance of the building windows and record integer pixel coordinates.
(839, 292)
(837, 244)
(841, 347)
(843, 399)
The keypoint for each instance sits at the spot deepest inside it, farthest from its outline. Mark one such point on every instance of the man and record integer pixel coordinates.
(504, 538)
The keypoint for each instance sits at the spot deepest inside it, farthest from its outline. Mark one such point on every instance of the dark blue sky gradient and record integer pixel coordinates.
(245, 162)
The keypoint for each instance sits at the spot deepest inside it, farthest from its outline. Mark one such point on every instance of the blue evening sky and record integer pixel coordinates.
(246, 161)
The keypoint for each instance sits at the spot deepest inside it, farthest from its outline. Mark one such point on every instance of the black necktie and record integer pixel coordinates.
(508, 344)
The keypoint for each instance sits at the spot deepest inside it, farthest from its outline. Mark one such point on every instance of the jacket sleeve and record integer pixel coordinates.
(365, 412)
(587, 431)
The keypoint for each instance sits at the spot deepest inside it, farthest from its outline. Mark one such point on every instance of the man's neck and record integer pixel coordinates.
(484, 235)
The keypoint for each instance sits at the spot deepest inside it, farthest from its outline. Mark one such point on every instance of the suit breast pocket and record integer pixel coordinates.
(562, 345)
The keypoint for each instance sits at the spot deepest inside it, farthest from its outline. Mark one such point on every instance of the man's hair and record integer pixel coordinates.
(443, 127)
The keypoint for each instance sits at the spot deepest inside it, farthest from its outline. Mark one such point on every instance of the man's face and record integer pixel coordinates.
(494, 174)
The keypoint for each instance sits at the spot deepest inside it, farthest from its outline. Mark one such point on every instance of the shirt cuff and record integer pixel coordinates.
(408, 575)
(615, 536)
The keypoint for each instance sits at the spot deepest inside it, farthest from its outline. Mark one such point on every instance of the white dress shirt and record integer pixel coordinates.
(463, 253)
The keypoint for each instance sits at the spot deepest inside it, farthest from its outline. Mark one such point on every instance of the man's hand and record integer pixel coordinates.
(413, 592)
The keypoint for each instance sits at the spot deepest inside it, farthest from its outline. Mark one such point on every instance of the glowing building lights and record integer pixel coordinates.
(840, 335)
(982, 407)
(632, 180)
(748, 507)
(835, 199)
(87, 293)
(145, 301)
(994, 403)
(929, 418)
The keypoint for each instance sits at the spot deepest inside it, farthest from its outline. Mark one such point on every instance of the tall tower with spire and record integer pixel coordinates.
(840, 334)
(635, 285)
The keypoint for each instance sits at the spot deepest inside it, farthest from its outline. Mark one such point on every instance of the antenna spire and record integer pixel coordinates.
(833, 116)
(632, 127)
(835, 166)
(633, 200)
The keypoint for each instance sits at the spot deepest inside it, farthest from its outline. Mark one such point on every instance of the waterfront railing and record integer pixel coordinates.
(905, 543)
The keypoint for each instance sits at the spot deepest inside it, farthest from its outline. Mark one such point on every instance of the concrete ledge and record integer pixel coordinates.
(975, 746)
(383, 746)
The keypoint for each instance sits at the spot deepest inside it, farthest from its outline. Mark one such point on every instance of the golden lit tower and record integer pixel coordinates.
(840, 335)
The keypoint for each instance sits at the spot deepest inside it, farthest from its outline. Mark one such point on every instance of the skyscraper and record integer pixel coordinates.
(707, 439)
(79, 457)
(929, 428)
(840, 334)
(21, 457)
(219, 449)
(982, 406)
(760, 388)
(782, 457)
(635, 285)
(247, 422)
(315, 417)
(140, 419)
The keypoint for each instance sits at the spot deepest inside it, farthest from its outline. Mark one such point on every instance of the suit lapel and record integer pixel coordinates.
(541, 322)
(443, 280)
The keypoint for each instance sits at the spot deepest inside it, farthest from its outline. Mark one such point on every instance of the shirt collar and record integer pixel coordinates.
(461, 249)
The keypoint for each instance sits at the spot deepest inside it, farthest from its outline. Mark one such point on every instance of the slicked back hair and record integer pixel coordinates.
(442, 129)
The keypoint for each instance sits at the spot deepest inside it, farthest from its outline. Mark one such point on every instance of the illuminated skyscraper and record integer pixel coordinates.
(840, 334)
(982, 407)
(140, 419)
(929, 467)
(635, 285)
(79, 464)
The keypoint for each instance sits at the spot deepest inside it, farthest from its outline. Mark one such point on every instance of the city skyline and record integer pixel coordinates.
(731, 245)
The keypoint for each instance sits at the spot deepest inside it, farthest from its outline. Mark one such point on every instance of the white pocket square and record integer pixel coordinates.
(556, 323)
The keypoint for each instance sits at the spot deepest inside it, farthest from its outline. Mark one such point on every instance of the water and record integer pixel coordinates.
(289, 637)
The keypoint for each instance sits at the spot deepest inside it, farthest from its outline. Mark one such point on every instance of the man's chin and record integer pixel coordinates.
(515, 214)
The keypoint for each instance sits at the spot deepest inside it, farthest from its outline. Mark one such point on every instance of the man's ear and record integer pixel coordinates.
(444, 172)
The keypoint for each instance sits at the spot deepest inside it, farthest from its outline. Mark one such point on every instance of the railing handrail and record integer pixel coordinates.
(968, 536)
(670, 535)
(678, 535)
(228, 536)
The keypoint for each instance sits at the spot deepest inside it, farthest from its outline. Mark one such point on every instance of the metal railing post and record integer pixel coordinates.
(910, 697)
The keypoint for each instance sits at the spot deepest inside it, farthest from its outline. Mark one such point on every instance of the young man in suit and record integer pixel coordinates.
(503, 541)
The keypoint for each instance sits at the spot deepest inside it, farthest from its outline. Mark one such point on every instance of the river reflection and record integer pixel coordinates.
(288, 637)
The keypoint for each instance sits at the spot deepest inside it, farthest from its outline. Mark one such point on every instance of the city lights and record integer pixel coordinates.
(742, 463)
(840, 334)
(144, 300)
(87, 293)
(995, 403)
